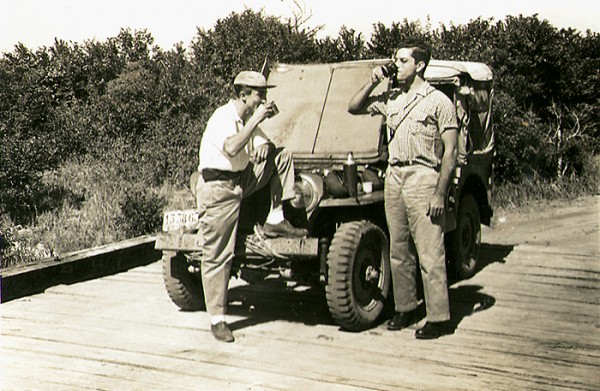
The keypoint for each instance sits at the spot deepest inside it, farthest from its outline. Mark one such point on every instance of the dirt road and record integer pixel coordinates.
(529, 319)
(570, 225)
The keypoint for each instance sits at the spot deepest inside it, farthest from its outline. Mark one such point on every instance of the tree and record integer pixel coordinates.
(151, 105)
(384, 39)
(348, 46)
(571, 136)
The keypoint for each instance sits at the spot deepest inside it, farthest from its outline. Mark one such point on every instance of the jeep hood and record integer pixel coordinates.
(314, 123)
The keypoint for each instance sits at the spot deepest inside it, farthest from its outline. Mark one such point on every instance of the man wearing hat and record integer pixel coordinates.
(237, 159)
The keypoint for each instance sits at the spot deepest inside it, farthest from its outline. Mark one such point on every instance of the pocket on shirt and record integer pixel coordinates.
(429, 136)
(429, 123)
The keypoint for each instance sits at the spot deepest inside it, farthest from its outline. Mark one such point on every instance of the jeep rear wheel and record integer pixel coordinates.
(359, 275)
(183, 287)
(464, 242)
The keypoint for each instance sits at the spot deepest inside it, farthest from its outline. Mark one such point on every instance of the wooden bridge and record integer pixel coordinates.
(528, 320)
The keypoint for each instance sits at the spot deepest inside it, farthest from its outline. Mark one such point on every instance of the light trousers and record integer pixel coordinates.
(416, 239)
(219, 206)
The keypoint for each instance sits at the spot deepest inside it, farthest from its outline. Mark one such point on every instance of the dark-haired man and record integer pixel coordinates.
(422, 134)
(236, 159)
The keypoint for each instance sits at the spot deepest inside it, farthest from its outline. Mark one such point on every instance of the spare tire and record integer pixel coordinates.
(334, 182)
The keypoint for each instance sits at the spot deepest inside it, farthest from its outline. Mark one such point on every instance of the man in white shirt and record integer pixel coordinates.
(236, 159)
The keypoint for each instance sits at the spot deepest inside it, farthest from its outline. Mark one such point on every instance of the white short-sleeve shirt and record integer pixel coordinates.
(224, 123)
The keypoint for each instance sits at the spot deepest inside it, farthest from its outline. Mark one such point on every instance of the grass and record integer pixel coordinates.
(93, 206)
(509, 196)
(513, 196)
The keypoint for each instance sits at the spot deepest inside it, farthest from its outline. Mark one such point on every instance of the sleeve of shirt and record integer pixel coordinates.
(377, 104)
(218, 129)
(446, 115)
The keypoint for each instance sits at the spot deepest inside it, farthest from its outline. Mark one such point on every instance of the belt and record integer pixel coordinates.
(212, 174)
(398, 163)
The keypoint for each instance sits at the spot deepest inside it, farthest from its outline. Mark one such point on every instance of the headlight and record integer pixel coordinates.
(309, 190)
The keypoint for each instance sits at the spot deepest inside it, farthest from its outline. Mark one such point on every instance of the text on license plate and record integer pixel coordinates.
(180, 219)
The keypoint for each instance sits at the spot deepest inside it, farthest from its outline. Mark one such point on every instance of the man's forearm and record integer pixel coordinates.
(358, 100)
(446, 171)
(437, 201)
(449, 140)
(234, 144)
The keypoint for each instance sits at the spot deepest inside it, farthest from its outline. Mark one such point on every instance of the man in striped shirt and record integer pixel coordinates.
(422, 133)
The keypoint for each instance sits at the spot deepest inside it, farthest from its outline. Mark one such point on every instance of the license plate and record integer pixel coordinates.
(185, 220)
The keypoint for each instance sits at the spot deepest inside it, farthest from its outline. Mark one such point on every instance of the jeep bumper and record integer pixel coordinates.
(247, 245)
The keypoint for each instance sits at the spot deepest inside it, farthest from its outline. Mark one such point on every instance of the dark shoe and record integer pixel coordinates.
(431, 330)
(401, 320)
(284, 229)
(221, 332)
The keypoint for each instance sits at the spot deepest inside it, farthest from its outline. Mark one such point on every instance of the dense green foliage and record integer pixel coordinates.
(139, 110)
(142, 212)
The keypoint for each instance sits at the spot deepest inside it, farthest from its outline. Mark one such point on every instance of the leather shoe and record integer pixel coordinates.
(431, 330)
(401, 320)
(284, 229)
(222, 332)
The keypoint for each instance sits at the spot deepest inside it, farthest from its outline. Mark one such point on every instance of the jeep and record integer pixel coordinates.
(347, 249)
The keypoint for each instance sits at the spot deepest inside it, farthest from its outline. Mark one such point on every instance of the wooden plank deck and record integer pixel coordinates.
(529, 320)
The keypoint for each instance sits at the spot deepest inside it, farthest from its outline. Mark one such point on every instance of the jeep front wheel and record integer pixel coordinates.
(184, 288)
(358, 275)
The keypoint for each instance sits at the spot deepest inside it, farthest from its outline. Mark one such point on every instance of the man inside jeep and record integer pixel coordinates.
(237, 159)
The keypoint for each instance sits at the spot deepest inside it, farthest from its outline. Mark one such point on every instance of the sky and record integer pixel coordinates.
(37, 23)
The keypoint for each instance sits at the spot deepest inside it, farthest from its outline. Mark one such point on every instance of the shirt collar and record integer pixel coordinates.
(425, 88)
(423, 91)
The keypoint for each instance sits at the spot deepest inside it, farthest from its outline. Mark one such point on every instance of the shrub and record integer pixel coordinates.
(141, 211)
(535, 189)
(17, 246)
(87, 130)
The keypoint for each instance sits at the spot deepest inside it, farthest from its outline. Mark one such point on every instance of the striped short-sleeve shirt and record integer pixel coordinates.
(415, 127)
